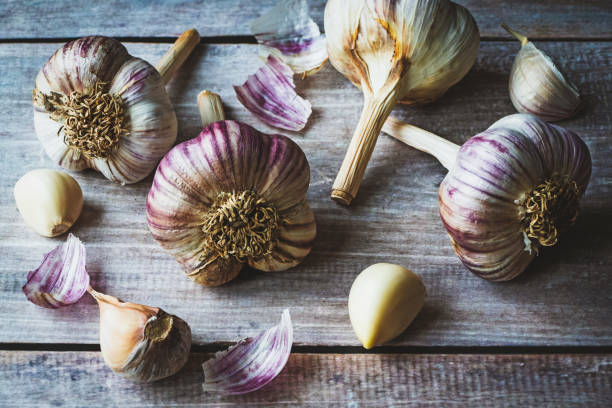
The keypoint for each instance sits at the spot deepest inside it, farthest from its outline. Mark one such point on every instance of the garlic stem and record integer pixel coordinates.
(177, 54)
(376, 110)
(210, 107)
(442, 149)
(524, 40)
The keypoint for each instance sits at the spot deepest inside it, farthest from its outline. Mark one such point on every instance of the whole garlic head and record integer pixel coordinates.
(229, 197)
(96, 106)
(49, 201)
(139, 342)
(405, 51)
(384, 300)
(538, 87)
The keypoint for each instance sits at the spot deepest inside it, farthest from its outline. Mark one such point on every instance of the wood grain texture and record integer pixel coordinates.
(20, 19)
(75, 379)
(565, 298)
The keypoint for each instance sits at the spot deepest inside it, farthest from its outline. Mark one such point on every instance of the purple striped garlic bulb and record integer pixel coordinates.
(96, 106)
(510, 190)
(229, 197)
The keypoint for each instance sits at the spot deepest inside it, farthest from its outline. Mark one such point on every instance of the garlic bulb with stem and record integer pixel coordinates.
(96, 106)
(141, 343)
(404, 51)
(229, 197)
(49, 201)
(510, 190)
(538, 87)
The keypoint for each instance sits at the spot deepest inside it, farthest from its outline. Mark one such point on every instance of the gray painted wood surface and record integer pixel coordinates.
(550, 19)
(76, 379)
(563, 299)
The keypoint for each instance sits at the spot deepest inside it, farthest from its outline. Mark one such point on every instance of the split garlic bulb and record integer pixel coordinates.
(510, 190)
(49, 201)
(232, 196)
(405, 51)
(538, 87)
(141, 343)
(96, 106)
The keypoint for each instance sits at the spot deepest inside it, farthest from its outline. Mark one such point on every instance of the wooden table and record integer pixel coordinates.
(543, 339)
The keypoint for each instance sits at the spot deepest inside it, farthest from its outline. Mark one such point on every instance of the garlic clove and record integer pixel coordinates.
(49, 201)
(214, 271)
(139, 342)
(287, 32)
(210, 107)
(270, 95)
(296, 237)
(538, 87)
(383, 301)
(252, 363)
(61, 279)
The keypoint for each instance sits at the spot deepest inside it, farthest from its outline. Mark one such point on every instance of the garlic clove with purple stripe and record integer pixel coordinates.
(538, 87)
(232, 196)
(96, 106)
(510, 190)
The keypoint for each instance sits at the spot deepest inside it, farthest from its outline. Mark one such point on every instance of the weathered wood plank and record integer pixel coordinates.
(71, 379)
(564, 299)
(145, 18)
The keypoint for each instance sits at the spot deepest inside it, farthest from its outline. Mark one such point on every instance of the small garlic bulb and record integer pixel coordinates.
(510, 190)
(139, 342)
(96, 106)
(229, 197)
(404, 51)
(538, 87)
(384, 300)
(49, 201)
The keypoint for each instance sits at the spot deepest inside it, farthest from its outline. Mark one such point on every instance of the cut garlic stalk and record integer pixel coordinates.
(538, 87)
(405, 51)
(139, 342)
(383, 301)
(49, 201)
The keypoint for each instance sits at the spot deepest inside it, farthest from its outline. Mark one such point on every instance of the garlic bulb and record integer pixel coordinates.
(232, 196)
(538, 87)
(510, 190)
(49, 201)
(384, 300)
(139, 342)
(96, 106)
(405, 51)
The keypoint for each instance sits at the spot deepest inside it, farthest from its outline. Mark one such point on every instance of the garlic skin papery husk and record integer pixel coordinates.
(49, 201)
(96, 106)
(141, 343)
(232, 196)
(61, 279)
(404, 51)
(510, 190)
(251, 363)
(538, 87)
(287, 31)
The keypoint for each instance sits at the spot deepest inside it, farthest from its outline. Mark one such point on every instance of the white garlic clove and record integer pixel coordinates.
(538, 87)
(384, 300)
(139, 342)
(49, 201)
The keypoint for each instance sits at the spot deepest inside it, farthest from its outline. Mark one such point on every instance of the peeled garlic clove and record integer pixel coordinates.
(139, 342)
(538, 87)
(270, 95)
(49, 201)
(232, 196)
(394, 51)
(61, 279)
(287, 31)
(384, 300)
(251, 363)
